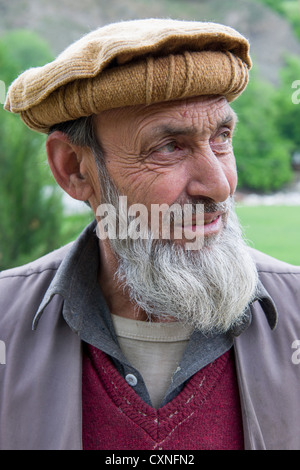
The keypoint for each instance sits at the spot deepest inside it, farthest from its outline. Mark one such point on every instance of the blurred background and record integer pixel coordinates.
(36, 217)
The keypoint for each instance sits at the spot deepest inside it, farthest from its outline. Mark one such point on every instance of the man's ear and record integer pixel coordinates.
(65, 160)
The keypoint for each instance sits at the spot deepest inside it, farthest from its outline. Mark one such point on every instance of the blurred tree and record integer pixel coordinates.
(30, 205)
(289, 9)
(263, 154)
(288, 109)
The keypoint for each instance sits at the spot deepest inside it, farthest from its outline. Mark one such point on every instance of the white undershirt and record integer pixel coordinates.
(154, 349)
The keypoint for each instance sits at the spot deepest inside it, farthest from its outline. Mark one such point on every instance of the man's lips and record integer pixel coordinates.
(209, 223)
(212, 226)
(210, 217)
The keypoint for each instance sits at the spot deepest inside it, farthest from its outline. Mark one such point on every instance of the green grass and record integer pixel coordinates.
(275, 230)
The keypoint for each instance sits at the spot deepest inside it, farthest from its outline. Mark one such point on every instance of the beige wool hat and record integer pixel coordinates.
(130, 63)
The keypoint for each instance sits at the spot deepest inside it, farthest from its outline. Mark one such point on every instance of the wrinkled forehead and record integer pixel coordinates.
(208, 110)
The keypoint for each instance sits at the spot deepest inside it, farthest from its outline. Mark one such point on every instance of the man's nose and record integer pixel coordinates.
(210, 177)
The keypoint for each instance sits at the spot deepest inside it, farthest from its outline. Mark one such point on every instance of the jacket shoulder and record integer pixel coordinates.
(48, 262)
(282, 282)
(23, 288)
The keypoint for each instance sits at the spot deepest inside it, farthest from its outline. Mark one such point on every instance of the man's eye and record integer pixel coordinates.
(168, 148)
(222, 138)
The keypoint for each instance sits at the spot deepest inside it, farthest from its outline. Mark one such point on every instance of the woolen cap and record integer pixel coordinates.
(130, 63)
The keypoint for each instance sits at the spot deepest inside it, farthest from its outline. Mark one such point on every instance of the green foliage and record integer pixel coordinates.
(30, 207)
(276, 5)
(19, 50)
(263, 153)
(73, 225)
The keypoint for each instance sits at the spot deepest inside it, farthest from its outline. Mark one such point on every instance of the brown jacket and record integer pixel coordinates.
(40, 382)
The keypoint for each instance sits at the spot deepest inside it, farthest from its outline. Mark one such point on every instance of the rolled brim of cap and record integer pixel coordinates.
(132, 63)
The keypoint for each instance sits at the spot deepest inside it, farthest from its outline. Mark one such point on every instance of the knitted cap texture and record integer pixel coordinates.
(130, 63)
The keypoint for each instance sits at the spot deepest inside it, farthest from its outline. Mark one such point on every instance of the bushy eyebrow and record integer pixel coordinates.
(170, 130)
(229, 119)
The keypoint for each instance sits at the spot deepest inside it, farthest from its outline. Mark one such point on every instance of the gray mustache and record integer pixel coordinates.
(201, 205)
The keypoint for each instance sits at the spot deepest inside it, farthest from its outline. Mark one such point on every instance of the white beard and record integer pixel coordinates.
(209, 289)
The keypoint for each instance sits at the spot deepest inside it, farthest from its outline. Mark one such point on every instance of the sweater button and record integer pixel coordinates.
(131, 380)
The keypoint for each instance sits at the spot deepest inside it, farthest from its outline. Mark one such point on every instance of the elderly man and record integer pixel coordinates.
(147, 342)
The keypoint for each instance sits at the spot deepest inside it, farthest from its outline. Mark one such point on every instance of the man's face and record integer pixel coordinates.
(173, 152)
(179, 152)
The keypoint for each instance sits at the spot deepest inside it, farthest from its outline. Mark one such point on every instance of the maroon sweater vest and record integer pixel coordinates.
(205, 415)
